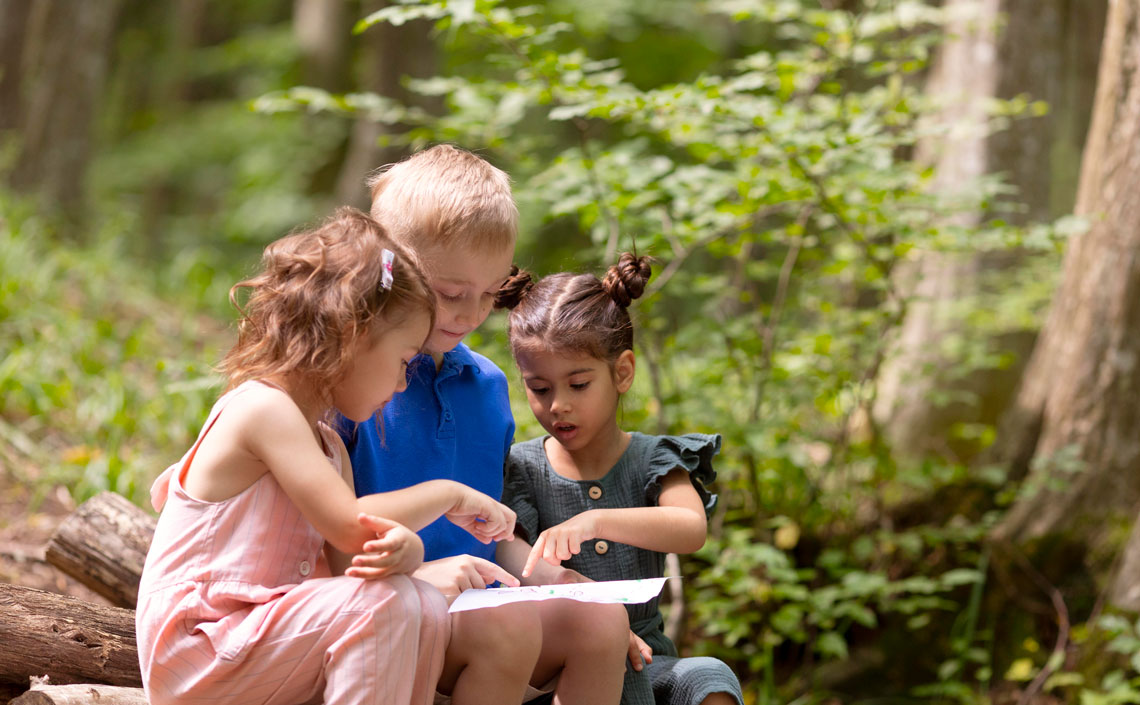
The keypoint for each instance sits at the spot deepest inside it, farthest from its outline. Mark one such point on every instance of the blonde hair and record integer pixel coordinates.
(445, 196)
(317, 293)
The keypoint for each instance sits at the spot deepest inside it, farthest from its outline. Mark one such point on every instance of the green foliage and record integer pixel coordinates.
(774, 182)
(777, 190)
(100, 378)
(761, 150)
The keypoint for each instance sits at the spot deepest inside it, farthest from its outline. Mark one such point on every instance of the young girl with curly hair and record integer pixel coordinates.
(237, 604)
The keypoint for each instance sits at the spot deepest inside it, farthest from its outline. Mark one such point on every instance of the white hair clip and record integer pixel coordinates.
(386, 259)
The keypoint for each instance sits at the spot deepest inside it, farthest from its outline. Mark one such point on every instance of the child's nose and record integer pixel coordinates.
(467, 313)
(559, 404)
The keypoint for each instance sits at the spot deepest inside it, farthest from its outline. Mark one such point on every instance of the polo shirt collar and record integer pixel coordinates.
(454, 361)
(460, 356)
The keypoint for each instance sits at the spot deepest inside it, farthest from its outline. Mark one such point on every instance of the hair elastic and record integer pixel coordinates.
(386, 259)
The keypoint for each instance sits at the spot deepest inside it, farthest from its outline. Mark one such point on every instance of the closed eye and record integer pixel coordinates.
(539, 391)
(579, 386)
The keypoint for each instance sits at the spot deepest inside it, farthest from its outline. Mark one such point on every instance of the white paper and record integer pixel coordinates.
(606, 591)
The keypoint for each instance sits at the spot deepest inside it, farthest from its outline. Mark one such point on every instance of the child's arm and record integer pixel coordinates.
(276, 432)
(395, 550)
(676, 525)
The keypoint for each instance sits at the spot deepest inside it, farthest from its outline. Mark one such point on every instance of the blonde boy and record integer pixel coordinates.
(455, 211)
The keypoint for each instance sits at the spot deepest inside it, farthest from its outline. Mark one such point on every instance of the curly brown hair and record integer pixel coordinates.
(575, 313)
(317, 292)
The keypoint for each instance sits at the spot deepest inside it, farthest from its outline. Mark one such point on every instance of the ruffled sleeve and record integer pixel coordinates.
(518, 491)
(693, 453)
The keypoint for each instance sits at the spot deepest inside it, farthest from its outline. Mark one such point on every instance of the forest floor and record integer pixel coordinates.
(25, 527)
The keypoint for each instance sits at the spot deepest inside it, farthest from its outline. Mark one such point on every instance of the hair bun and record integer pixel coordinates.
(514, 289)
(626, 280)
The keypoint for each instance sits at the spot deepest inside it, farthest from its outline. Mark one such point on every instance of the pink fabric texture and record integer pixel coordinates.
(231, 609)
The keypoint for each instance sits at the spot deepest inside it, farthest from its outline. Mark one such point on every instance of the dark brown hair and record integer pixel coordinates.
(575, 313)
(317, 292)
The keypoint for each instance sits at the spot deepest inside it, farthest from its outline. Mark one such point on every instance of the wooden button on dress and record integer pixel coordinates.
(601, 547)
(595, 491)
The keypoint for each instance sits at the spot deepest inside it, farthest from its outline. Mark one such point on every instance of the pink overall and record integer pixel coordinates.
(230, 610)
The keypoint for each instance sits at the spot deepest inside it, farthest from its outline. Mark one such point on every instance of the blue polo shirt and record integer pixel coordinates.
(454, 424)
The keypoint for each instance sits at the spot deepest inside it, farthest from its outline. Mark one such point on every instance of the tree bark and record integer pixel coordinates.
(322, 31)
(14, 16)
(103, 545)
(83, 694)
(1076, 413)
(66, 639)
(1036, 50)
(964, 76)
(65, 84)
(389, 54)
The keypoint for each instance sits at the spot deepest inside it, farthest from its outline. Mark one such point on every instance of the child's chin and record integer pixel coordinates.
(441, 344)
(357, 416)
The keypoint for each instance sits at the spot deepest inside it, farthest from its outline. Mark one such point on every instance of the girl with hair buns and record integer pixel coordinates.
(591, 497)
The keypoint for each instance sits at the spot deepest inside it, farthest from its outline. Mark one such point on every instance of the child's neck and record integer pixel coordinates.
(591, 462)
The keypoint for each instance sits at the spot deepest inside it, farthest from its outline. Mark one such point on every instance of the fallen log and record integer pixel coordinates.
(103, 545)
(67, 639)
(82, 694)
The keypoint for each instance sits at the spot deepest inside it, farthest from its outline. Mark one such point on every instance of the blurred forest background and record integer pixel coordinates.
(897, 248)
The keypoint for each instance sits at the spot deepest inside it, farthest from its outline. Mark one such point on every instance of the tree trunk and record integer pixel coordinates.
(84, 694)
(14, 16)
(390, 53)
(66, 639)
(964, 76)
(103, 545)
(921, 396)
(322, 31)
(65, 84)
(1076, 412)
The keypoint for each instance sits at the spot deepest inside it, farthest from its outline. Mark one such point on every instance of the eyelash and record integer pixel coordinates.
(576, 387)
(460, 297)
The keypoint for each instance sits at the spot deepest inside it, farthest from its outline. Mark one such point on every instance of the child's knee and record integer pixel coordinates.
(583, 625)
(396, 595)
(611, 627)
(510, 634)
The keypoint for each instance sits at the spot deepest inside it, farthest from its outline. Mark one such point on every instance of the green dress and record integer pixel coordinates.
(542, 498)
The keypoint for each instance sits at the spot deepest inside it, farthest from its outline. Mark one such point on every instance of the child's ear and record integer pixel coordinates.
(624, 368)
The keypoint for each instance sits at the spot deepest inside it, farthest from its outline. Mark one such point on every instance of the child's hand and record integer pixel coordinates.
(396, 550)
(639, 651)
(482, 517)
(455, 574)
(558, 543)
